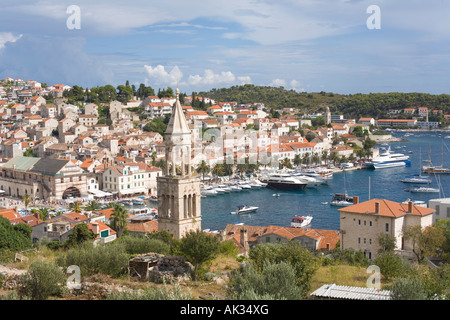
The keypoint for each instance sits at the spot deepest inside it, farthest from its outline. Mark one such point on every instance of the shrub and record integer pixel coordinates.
(300, 259)
(14, 238)
(275, 281)
(43, 279)
(408, 289)
(107, 259)
(391, 266)
(164, 293)
(350, 256)
(227, 247)
(140, 245)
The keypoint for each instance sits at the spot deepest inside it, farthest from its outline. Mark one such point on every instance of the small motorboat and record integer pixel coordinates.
(424, 189)
(324, 202)
(244, 209)
(300, 222)
(276, 195)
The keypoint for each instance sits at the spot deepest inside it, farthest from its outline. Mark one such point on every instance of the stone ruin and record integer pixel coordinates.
(159, 268)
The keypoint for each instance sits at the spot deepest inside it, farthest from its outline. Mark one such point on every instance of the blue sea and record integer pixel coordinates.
(366, 183)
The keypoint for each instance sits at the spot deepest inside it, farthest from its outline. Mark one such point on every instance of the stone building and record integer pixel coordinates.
(179, 203)
(362, 223)
(43, 178)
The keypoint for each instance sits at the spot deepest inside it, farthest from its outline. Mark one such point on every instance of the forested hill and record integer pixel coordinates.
(354, 105)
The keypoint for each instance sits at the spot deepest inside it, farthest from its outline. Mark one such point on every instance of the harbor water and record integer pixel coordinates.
(366, 184)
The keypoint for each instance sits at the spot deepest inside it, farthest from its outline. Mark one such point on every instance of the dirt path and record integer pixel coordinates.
(11, 271)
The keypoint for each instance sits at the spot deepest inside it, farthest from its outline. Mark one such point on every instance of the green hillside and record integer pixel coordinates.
(353, 105)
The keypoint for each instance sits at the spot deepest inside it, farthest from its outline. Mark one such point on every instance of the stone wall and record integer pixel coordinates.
(158, 268)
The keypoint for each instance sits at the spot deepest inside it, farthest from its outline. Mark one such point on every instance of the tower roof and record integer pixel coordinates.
(177, 123)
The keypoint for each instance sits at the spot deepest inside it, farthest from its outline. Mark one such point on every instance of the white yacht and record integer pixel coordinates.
(244, 209)
(244, 185)
(286, 181)
(300, 222)
(208, 191)
(417, 179)
(311, 181)
(389, 160)
(224, 187)
(257, 184)
(235, 188)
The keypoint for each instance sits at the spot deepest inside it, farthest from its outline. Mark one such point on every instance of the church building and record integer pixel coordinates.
(179, 206)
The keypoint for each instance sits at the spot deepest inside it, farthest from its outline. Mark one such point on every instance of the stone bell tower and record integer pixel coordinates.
(179, 206)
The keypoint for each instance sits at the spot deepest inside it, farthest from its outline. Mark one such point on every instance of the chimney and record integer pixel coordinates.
(244, 239)
(95, 228)
(355, 200)
(377, 207)
(410, 206)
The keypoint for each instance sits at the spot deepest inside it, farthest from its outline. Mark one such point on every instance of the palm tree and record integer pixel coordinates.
(44, 214)
(325, 156)
(315, 158)
(360, 153)
(154, 155)
(119, 219)
(352, 158)
(26, 200)
(218, 170)
(75, 206)
(286, 163)
(305, 159)
(203, 169)
(334, 157)
(93, 206)
(297, 160)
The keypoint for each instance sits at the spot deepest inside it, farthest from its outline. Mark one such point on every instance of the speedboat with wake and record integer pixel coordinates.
(244, 209)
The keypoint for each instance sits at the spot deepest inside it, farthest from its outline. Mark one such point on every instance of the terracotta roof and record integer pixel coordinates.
(143, 227)
(387, 208)
(330, 237)
(74, 216)
(9, 214)
(102, 227)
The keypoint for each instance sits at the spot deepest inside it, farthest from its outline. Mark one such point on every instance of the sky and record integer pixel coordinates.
(340, 46)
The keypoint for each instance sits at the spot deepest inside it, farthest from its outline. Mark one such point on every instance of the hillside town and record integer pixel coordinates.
(56, 154)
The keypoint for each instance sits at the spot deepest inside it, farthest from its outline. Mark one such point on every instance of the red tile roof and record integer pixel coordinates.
(387, 208)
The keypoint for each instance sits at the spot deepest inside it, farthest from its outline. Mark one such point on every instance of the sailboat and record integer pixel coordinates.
(437, 170)
(341, 199)
(419, 178)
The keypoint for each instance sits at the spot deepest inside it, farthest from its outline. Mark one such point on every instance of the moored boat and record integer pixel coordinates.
(341, 200)
(416, 179)
(300, 222)
(389, 160)
(285, 181)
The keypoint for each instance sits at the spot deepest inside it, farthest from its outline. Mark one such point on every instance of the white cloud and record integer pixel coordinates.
(160, 76)
(296, 85)
(8, 37)
(244, 80)
(278, 83)
(211, 78)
